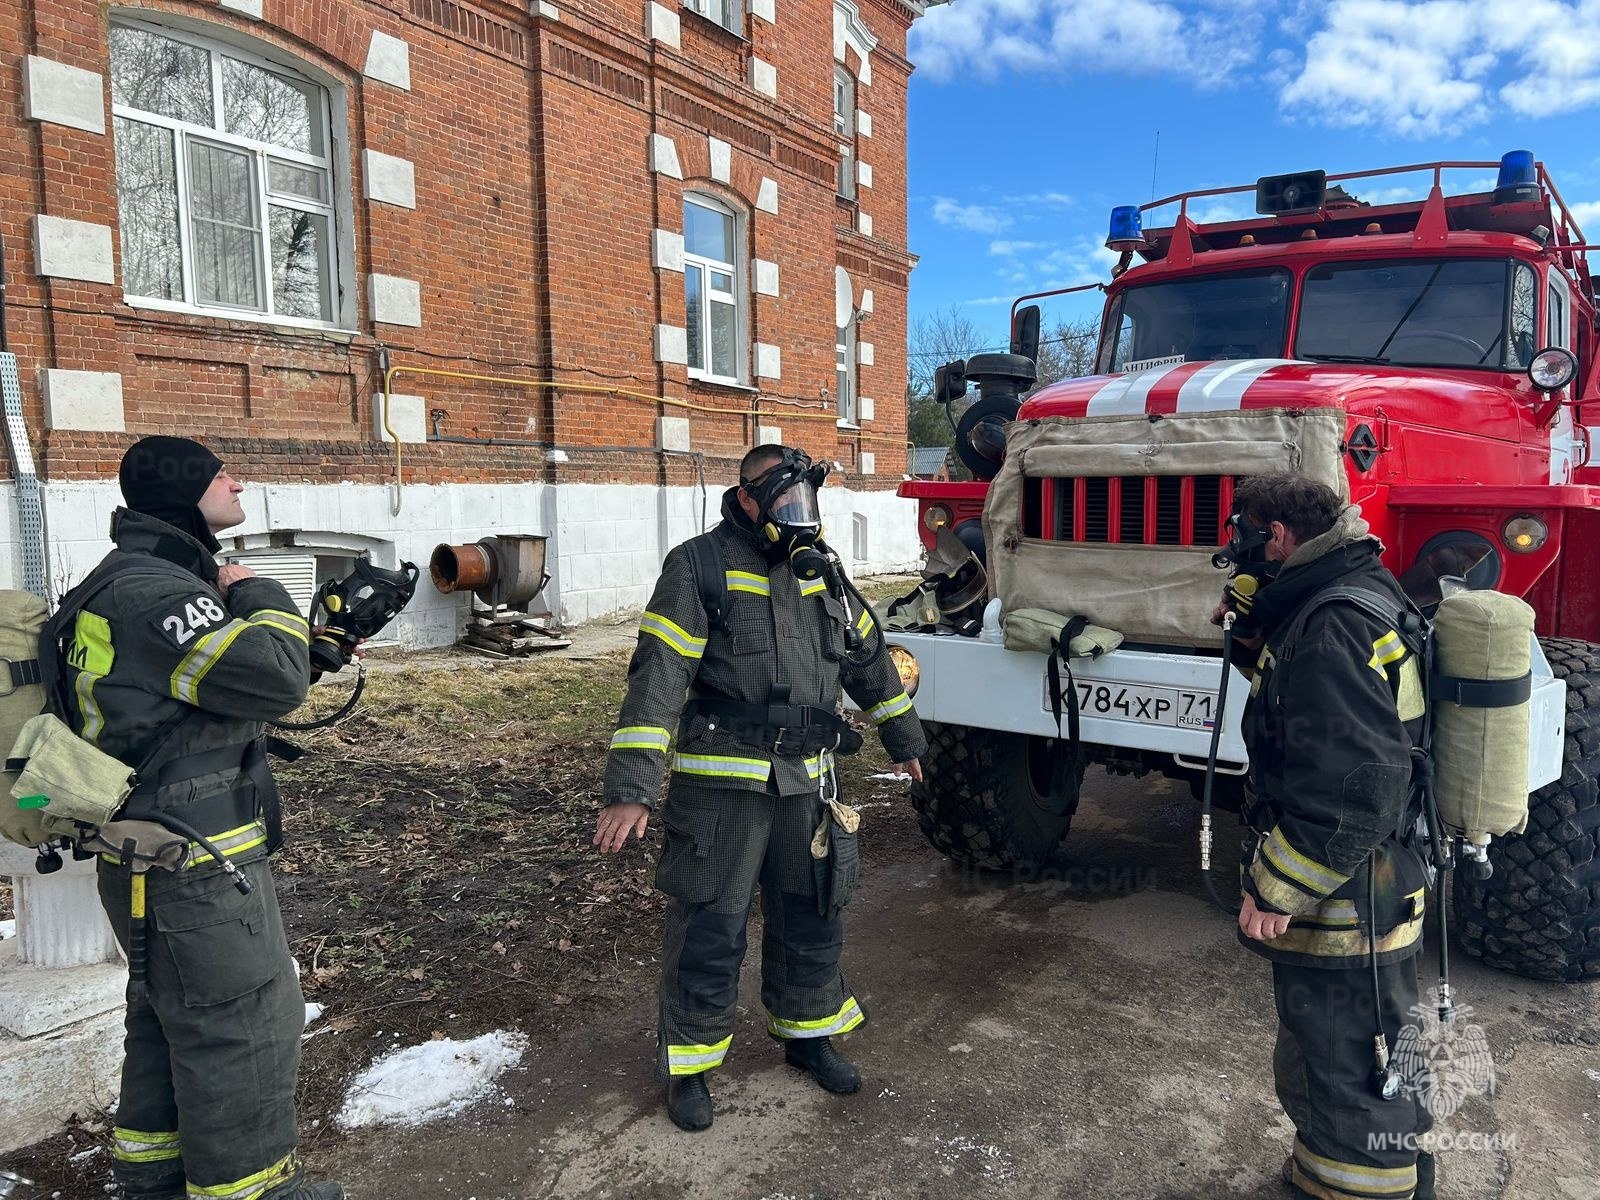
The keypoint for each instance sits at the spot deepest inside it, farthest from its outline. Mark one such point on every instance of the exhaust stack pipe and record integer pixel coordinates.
(507, 569)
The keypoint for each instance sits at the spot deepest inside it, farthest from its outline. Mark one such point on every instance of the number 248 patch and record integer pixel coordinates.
(183, 624)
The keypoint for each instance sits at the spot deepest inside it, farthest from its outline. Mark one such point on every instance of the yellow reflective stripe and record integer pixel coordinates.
(673, 634)
(251, 1185)
(134, 1145)
(694, 1058)
(641, 737)
(843, 1021)
(747, 581)
(722, 766)
(288, 618)
(94, 721)
(812, 588)
(186, 678)
(1376, 1181)
(819, 764)
(1387, 649)
(136, 894)
(232, 843)
(891, 708)
(1318, 879)
(92, 655)
(864, 623)
(273, 621)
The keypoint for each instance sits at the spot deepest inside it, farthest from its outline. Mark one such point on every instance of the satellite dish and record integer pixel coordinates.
(844, 298)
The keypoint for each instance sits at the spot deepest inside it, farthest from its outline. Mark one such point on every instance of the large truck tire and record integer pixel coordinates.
(1538, 915)
(984, 798)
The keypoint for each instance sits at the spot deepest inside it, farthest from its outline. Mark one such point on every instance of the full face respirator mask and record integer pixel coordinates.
(787, 514)
(358, 607)
(1245, 559)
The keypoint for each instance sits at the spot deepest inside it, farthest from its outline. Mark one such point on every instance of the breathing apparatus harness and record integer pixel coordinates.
(356, 607)
(1244, 557)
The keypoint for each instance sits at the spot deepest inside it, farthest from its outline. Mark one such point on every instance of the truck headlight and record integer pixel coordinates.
(1524, 534)
(936, 517)
(1552, 369)
(905, 665)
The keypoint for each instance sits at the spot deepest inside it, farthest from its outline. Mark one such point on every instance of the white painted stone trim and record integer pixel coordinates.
(661, 24)
(664, 156)
(769, 361)
(389, 180)
(766, 278)
(867, 300)
(388, 61)
(764, 77)
(865, 353)
(863, 123)
(769, 435)
(84, 400)
(765, 9)
(408, 417)
(721, 159)
(850, 32)
(63, 95)
(548, 11)
(395, 300)
(247, 8)
(866, 408)
(672, 344)
(864, 224)
(667, 250)
(869, 463)
(672, 433)
(864, 174)
(65, 249)
(767, 196)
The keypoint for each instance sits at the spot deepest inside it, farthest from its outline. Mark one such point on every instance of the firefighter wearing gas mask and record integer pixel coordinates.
(735, 685)
(1333, 884)
(172, 664)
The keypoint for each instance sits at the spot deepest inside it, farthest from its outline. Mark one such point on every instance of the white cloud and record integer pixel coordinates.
(1042, 200)
(976, 218)
(1587, 214)
(1205, 40)
(1420, 68)
(1011, 249)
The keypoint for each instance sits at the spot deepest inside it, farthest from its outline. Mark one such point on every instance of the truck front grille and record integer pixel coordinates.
(1160, 510)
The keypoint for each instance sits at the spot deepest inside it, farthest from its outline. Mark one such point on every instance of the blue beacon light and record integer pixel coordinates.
(1127, 230)
(1518, 179)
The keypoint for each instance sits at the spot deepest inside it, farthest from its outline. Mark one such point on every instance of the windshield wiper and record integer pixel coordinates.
(1347, 358)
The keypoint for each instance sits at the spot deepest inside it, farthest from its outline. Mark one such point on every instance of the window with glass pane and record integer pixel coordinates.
(844, 354)
(711, 282)
(224, 177)
(727, 13)
(844, 126)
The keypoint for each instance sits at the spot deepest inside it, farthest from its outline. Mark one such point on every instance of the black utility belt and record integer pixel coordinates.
(786, 730)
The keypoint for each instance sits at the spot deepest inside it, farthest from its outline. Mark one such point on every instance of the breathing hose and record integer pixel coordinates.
(1232, 910)
(344, 711)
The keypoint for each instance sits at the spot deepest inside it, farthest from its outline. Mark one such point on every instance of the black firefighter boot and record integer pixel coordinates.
(822, 1062)
(161, 1180)
(689, 1102)
(298, 1189)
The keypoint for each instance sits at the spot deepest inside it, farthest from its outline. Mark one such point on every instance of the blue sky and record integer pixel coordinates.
(1030, 119)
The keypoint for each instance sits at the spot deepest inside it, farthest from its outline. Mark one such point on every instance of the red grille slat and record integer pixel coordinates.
(1080, 496)
(1114, 510)
(1186, 511)
(1152, 506)
(1157, 510)
(1047, 509)
(1224, 507)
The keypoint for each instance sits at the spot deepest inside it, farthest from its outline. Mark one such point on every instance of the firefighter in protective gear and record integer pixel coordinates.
(176, 657)
(1333, 888)
(753, 799)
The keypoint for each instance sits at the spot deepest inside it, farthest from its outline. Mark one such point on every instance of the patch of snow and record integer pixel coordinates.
(416, 1084)
(892, 776)
(961, 1048)
(8, 929)
(992, 1162)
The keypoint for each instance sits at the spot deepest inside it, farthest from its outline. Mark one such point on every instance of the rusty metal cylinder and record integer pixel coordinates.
(507, 569)
(468, 568)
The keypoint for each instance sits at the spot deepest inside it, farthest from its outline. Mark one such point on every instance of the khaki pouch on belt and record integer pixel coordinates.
(68, 780)
(836, 857)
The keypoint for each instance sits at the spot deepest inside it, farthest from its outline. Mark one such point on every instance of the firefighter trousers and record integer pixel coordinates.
(1349, 1141)
(720, 845)
(213, 1048)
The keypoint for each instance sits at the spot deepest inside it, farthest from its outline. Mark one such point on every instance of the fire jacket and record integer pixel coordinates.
(780, 633)
(1335, 703)
(160, 643)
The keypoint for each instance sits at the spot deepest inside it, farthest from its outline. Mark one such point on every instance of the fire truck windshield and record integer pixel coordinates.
(1243, 315)
(1465, 312)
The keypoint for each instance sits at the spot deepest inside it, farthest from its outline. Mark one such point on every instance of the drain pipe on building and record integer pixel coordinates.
(30, 504)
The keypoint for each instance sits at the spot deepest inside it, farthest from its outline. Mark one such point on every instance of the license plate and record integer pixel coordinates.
(1179, 708)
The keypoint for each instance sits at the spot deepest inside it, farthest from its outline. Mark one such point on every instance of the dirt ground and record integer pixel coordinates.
(1095, 1033)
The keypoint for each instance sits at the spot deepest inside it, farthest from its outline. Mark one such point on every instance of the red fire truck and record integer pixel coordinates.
(1434, 358)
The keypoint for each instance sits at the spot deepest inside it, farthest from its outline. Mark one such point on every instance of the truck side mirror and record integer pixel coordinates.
(950, 382)
(1025, 333)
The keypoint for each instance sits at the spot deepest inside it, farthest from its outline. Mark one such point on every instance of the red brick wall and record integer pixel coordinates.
(531, 238)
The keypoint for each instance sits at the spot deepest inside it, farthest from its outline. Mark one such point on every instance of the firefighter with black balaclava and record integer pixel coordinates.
(173, 663)
(1333, 884)
(751, 631)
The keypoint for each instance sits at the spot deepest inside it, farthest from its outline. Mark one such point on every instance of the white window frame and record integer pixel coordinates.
(847, 374)
(738, 297)
(728, 14)
(336, 208)
(844, 128)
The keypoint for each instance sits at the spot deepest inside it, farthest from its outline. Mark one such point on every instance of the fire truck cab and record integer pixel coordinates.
(1444, 346)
